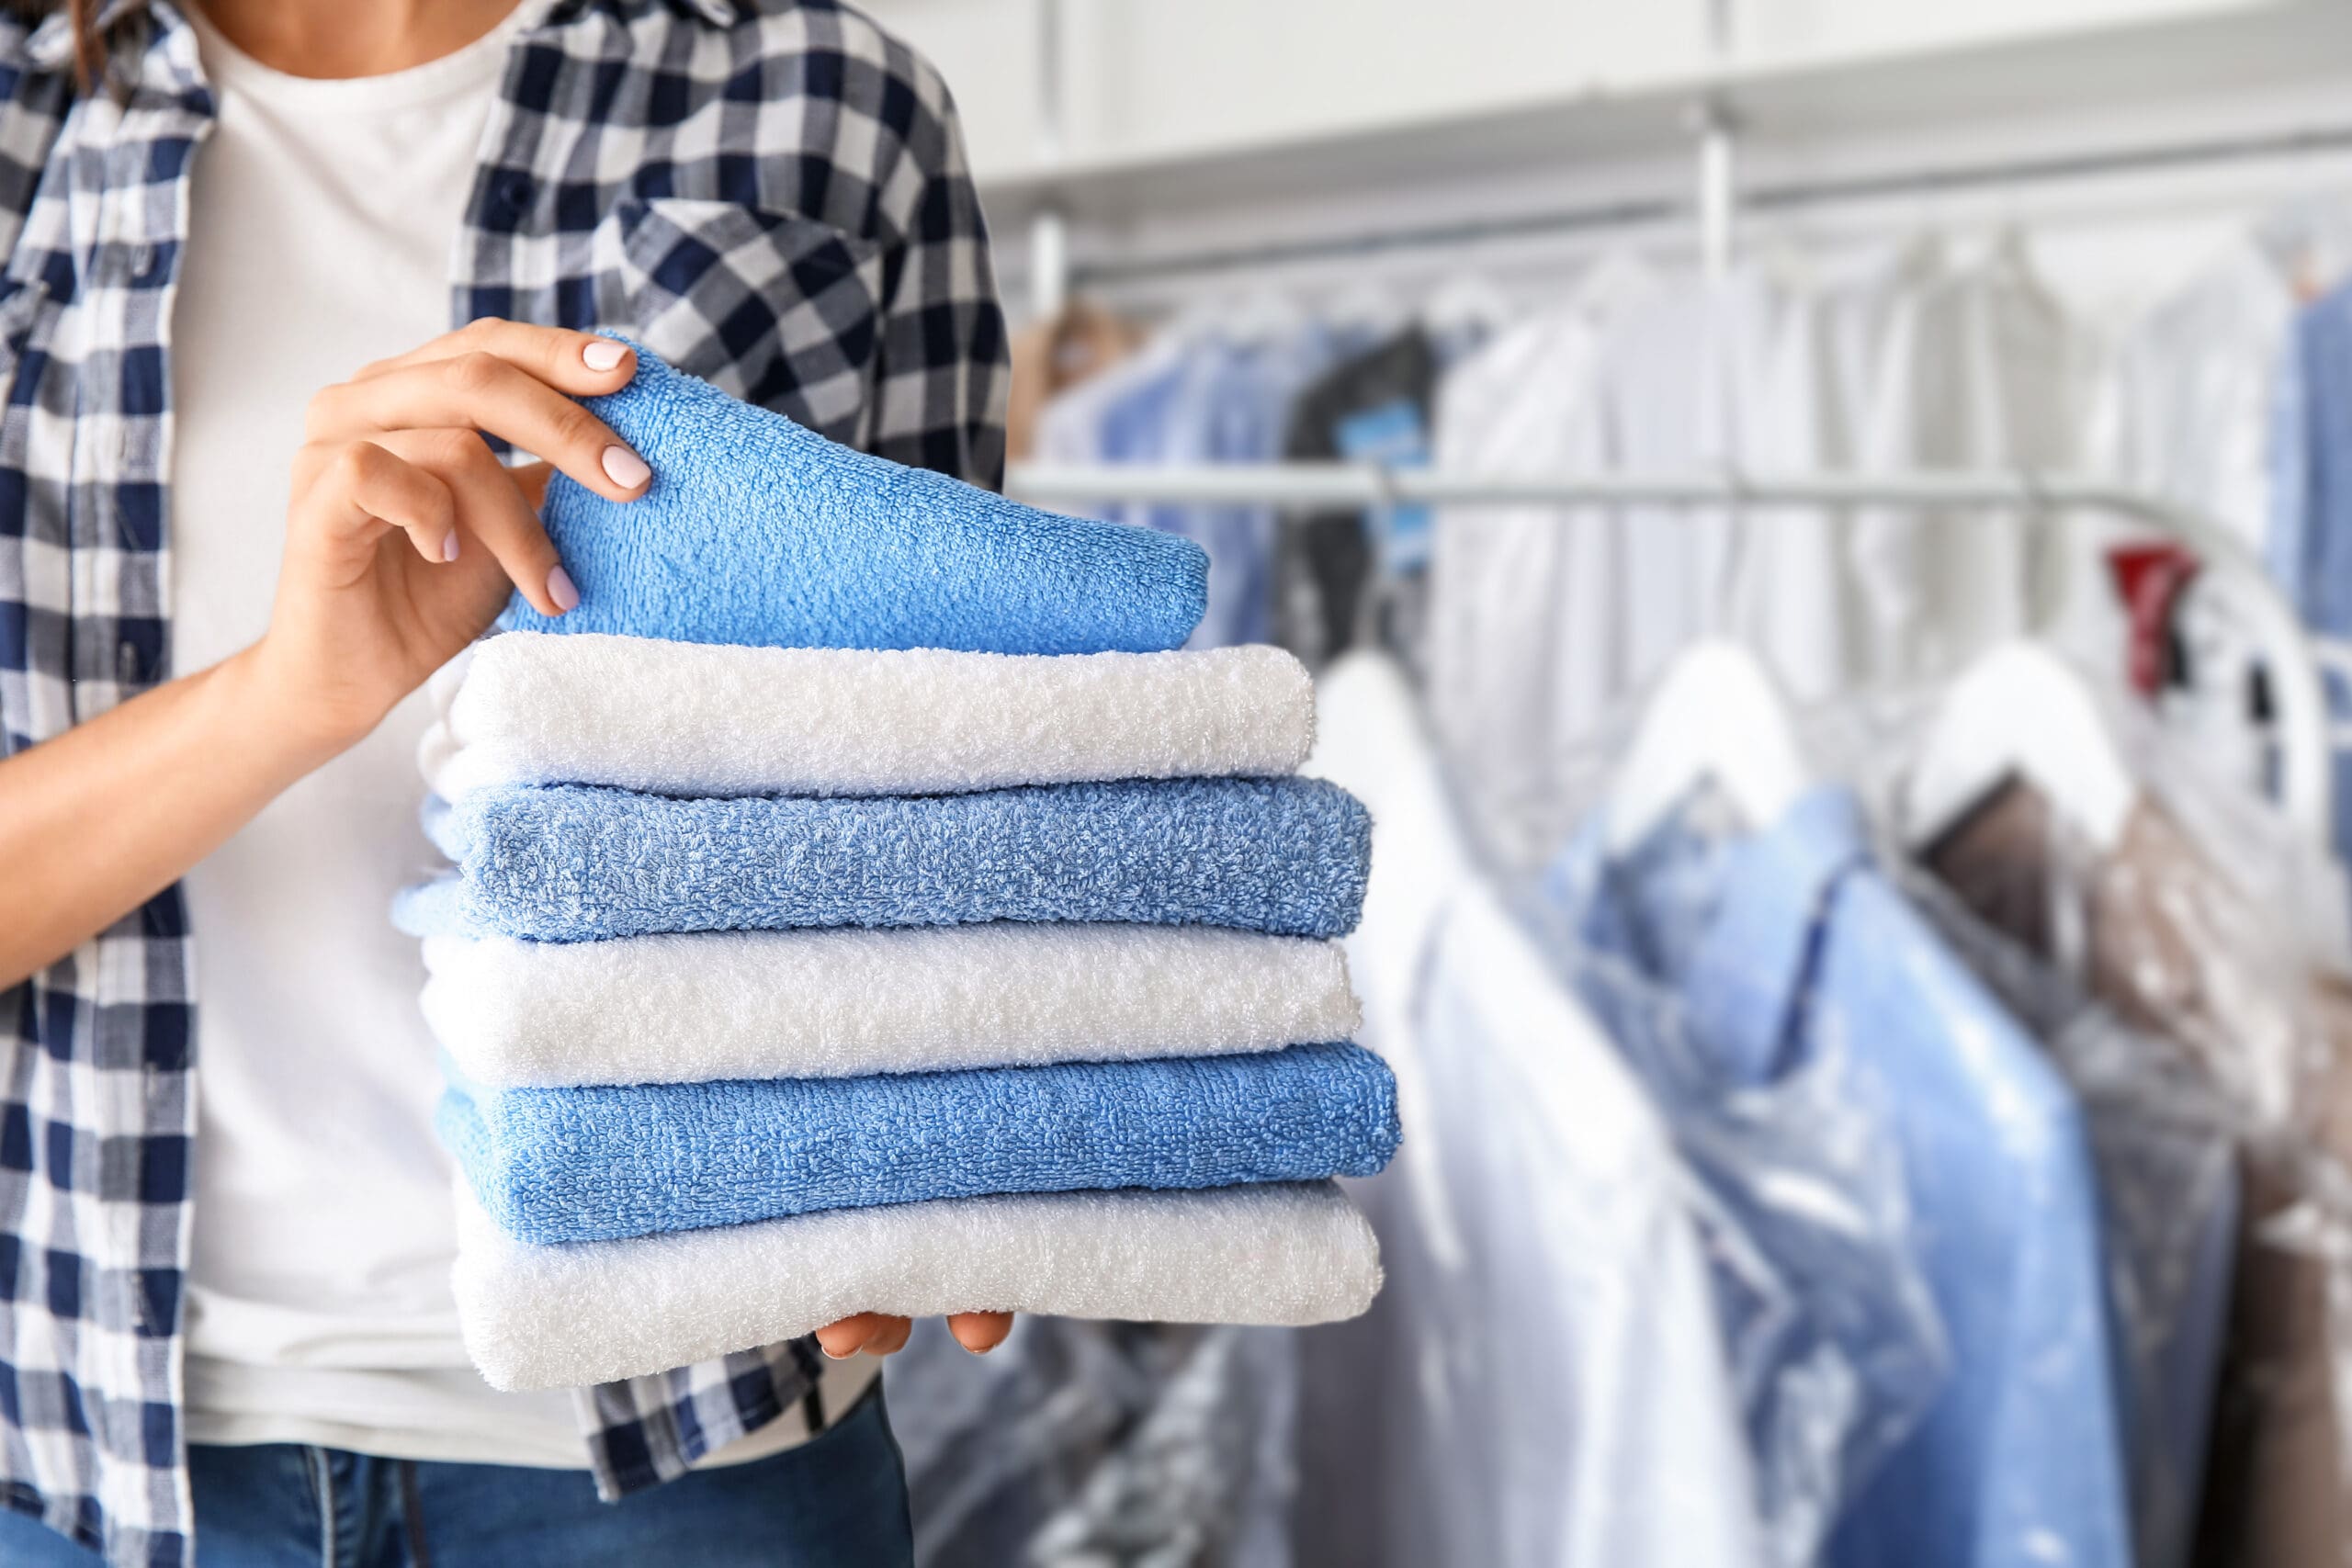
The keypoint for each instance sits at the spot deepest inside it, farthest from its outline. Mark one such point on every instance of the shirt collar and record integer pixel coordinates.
(1750, 977)
(1733, 927)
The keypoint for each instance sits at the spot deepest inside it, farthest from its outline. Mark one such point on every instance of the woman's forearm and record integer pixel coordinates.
(99, 820)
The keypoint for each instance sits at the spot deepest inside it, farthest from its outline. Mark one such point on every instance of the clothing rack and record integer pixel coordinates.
(2293, 661)
(1717, 204)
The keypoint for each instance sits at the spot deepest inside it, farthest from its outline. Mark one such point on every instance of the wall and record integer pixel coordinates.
(1154, 79)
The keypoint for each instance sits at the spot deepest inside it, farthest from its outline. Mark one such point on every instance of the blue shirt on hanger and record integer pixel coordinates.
(1829, 1325)
(1791, 944)
(2309, 546)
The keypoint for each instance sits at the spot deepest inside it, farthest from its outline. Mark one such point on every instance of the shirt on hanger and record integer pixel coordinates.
(1050, 357)
(1796, 945)
(2166, 938)
(1541, 1384)
(1373, 406)
(1523, 652)
(2167, 1149)
(1230, 405)
(1833, 1339)
(2185, 408)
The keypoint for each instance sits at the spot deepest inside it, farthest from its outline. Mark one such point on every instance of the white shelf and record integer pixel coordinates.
(2234, 48)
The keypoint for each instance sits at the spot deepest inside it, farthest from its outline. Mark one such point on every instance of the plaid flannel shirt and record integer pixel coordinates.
(770, 194)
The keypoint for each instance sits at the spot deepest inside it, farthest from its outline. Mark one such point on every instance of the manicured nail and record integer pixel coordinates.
(602, 354)
(625, 467)
(450, 547)
(560, 590)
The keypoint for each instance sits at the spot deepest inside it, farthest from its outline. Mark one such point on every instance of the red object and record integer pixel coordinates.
(2150, 579)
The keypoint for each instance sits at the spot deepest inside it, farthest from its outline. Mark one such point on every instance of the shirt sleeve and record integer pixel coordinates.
(943, 369)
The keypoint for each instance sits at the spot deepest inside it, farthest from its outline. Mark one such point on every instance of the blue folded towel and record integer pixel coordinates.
(562, 1165)
(573, 864)
(759, 531)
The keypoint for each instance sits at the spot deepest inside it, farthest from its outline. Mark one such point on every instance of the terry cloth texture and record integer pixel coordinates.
(538, 1317)
(597, 1164)
(679, 718)
(759, 531)
(839, 1003)
(573, 863)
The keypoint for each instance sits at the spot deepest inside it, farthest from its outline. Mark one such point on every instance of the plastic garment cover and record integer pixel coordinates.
(2155, 927)
(2167, 1148)
(2205, 921)
(1789, 943)
(1080, 1444)
(1542, 1384)
(1835, 1344)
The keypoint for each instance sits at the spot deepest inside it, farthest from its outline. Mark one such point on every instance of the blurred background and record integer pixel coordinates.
(1823, 528)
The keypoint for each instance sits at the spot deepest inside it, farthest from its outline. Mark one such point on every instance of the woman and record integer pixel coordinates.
(237, 235)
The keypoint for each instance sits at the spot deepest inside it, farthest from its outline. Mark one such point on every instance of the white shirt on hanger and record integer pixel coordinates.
(1523, 638)
(1542, 1384)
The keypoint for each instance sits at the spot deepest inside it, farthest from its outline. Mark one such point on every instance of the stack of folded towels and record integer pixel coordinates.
(857, 907)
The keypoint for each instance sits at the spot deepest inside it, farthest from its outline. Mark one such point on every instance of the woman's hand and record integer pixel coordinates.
(406, 532)
(877, 1334)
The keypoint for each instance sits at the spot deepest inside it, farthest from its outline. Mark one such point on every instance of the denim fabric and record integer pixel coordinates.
(1794, 945)
(838, 1501)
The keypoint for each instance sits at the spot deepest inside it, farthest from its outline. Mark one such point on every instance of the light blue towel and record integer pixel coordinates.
(573, 863)
(759, 531)
(558, 1164)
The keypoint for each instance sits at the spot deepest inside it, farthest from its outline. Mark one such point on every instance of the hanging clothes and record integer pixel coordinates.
(1790, 944)
(1833, 1336)
(1231, 404)
(2311, 526)
(1549, 1389)
(2163, 934)
(1524, 656)
(2166, 1151)
(1372, 407)
(1050, 357)
(2185, 408)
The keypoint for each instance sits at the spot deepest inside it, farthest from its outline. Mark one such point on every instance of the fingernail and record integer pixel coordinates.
(450, 547)
(560, 590)
(625, 467)
(602, 354)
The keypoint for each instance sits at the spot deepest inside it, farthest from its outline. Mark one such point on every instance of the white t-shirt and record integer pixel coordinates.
(319, 1308)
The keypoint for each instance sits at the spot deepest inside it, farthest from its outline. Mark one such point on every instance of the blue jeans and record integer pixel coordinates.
(837, 1502)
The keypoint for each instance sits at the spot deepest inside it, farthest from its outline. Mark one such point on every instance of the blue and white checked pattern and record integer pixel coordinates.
(770, 194)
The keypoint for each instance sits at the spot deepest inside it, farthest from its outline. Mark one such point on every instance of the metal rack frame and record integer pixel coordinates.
(2293, 661)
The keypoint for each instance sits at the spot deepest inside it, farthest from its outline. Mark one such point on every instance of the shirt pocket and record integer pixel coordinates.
(777, 309)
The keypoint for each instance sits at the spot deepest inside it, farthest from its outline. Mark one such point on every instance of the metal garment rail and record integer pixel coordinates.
(2306, 776)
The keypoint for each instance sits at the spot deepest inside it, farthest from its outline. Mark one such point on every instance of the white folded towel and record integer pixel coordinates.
(836, 1003)
(688, 719)
(538, 1317)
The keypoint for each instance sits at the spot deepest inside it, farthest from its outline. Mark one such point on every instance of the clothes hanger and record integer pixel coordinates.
(2021, 713)
(1717, 717)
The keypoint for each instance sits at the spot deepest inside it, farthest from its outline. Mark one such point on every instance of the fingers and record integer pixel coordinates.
(493, 511)
(980, 1332)
(478, 389)
(879, 1334)
(364, 488)
(891, 1337)
(846, 1339)
(582, 364)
